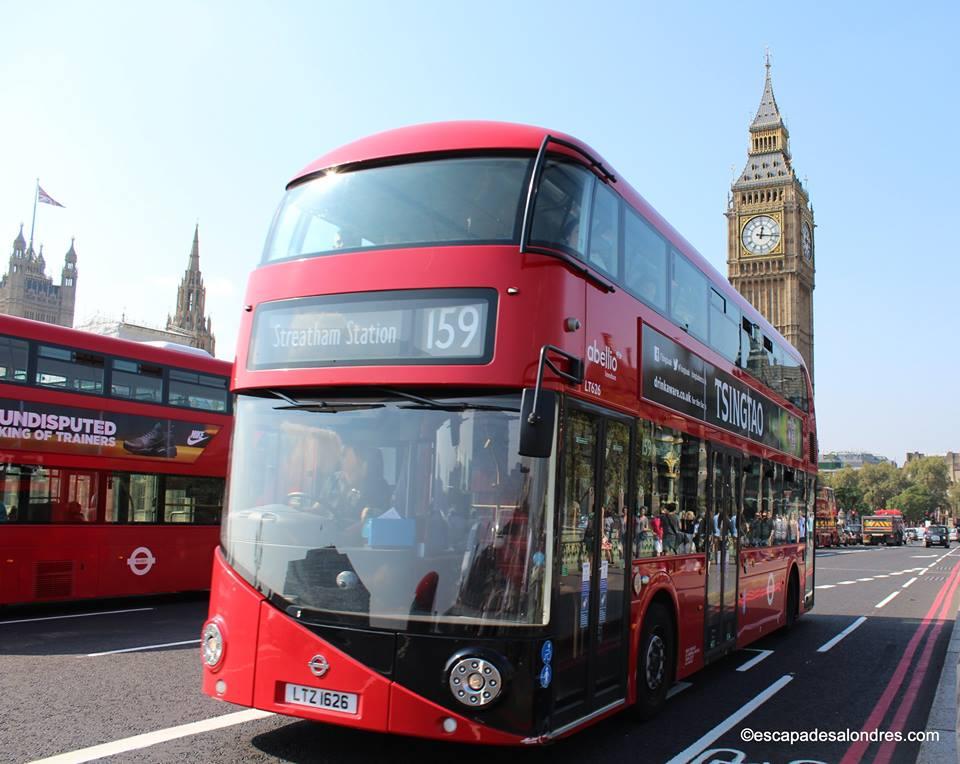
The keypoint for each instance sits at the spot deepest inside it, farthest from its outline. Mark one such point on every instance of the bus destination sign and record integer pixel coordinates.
(422, 326)
(682, 381)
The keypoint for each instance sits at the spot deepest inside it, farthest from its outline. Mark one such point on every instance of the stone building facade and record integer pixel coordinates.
(27, 291)
(770, 251)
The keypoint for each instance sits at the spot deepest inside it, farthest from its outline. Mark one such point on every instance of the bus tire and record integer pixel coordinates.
(655, 661)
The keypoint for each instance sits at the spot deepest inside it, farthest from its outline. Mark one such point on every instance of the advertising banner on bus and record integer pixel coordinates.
(29, 426)
(679, 379)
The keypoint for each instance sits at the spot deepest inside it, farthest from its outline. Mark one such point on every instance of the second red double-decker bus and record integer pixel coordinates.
(509, 454)
(827, 532)
(112, 462)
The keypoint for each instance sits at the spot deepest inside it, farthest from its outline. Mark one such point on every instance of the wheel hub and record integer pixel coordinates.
(656, 652)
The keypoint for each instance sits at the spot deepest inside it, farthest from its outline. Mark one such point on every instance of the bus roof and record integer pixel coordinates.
(449, 137)
(188, 358)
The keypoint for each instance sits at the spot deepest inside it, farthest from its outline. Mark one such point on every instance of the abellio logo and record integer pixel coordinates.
(606, 358)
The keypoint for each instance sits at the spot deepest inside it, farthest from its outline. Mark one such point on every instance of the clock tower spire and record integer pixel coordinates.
(770, 258)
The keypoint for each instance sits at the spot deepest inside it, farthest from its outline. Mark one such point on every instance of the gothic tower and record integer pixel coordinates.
(770, 257)
(191, 298)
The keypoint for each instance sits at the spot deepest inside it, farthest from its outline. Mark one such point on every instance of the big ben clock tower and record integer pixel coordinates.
(770, 250)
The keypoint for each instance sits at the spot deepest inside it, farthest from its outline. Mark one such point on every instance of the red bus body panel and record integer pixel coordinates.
(265, 649)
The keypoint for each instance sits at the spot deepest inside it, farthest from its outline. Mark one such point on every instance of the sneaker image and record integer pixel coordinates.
(198, 438)
(157, 442)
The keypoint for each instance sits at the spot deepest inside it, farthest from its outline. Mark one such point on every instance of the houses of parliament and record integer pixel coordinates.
(27, 291)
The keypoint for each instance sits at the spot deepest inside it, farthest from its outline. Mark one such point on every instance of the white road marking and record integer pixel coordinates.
(845, 583)
(885, 600)
(827, 586)
(678, 688)
(755, 660)
(922, 571)
(923, 556)
(731, 721)
(833, 642)
(144, 647)
(77, 615)
(883, 575)
(909, 582)
(866, 579)
(148, 739)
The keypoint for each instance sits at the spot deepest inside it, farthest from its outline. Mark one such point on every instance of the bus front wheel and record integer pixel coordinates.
(655, 662)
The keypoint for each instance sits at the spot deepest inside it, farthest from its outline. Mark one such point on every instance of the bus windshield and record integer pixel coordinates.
(445, 201)
(391, 510)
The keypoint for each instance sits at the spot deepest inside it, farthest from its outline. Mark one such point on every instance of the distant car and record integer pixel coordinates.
(852, 535)
(936, 535)
(952, 535)
(911, 534)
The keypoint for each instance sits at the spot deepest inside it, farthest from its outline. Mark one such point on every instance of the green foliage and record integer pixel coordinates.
(880, 483)
(915, 501)
(919, 488)
(931, 474)
(846, 488)
(953, 496)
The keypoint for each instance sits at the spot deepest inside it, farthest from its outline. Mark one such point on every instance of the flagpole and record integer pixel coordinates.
(36, 194)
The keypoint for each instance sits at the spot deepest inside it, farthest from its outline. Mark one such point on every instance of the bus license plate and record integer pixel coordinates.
(329, 700)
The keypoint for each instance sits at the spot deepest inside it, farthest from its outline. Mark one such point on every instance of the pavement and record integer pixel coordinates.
(945, 711)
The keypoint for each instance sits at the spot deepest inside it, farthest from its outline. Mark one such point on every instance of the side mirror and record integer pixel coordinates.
(536, 426)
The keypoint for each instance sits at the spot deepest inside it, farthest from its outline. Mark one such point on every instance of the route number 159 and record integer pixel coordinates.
(453, 329)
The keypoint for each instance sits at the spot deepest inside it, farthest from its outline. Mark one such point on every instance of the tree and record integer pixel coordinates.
(915, 501)
(847, 489)
(880, 483)
(930, 473)
(953, 496)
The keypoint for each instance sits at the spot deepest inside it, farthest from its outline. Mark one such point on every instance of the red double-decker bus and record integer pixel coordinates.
(509, 454)
(826, 530)
(112, 462)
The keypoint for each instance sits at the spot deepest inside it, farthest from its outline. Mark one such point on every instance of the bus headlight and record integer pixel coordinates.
(212, 644)
(475, 681)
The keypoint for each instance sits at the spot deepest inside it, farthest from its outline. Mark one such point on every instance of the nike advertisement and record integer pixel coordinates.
(89, 432)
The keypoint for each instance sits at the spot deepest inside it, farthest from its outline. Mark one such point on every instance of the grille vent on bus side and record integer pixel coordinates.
(813, 448)
(54, 579)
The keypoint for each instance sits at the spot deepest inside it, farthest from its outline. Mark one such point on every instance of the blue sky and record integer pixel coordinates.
(144, 121)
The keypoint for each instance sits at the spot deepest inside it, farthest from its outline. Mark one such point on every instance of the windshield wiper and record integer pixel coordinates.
(318, 406)
(429, 403)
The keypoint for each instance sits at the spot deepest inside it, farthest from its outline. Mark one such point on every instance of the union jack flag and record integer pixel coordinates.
(45, 198)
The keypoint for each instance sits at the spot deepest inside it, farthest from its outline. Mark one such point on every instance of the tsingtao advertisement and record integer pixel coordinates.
(679, 379)
(89, 432)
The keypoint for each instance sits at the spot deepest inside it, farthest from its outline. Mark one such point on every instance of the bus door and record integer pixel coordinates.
(808, 539)
(720, 616)
(590, 603)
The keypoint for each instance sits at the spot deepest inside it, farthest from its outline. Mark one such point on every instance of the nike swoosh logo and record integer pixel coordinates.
(195, 439)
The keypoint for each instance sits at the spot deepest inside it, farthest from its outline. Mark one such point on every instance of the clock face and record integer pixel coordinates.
(806, 241)
(761, 235)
